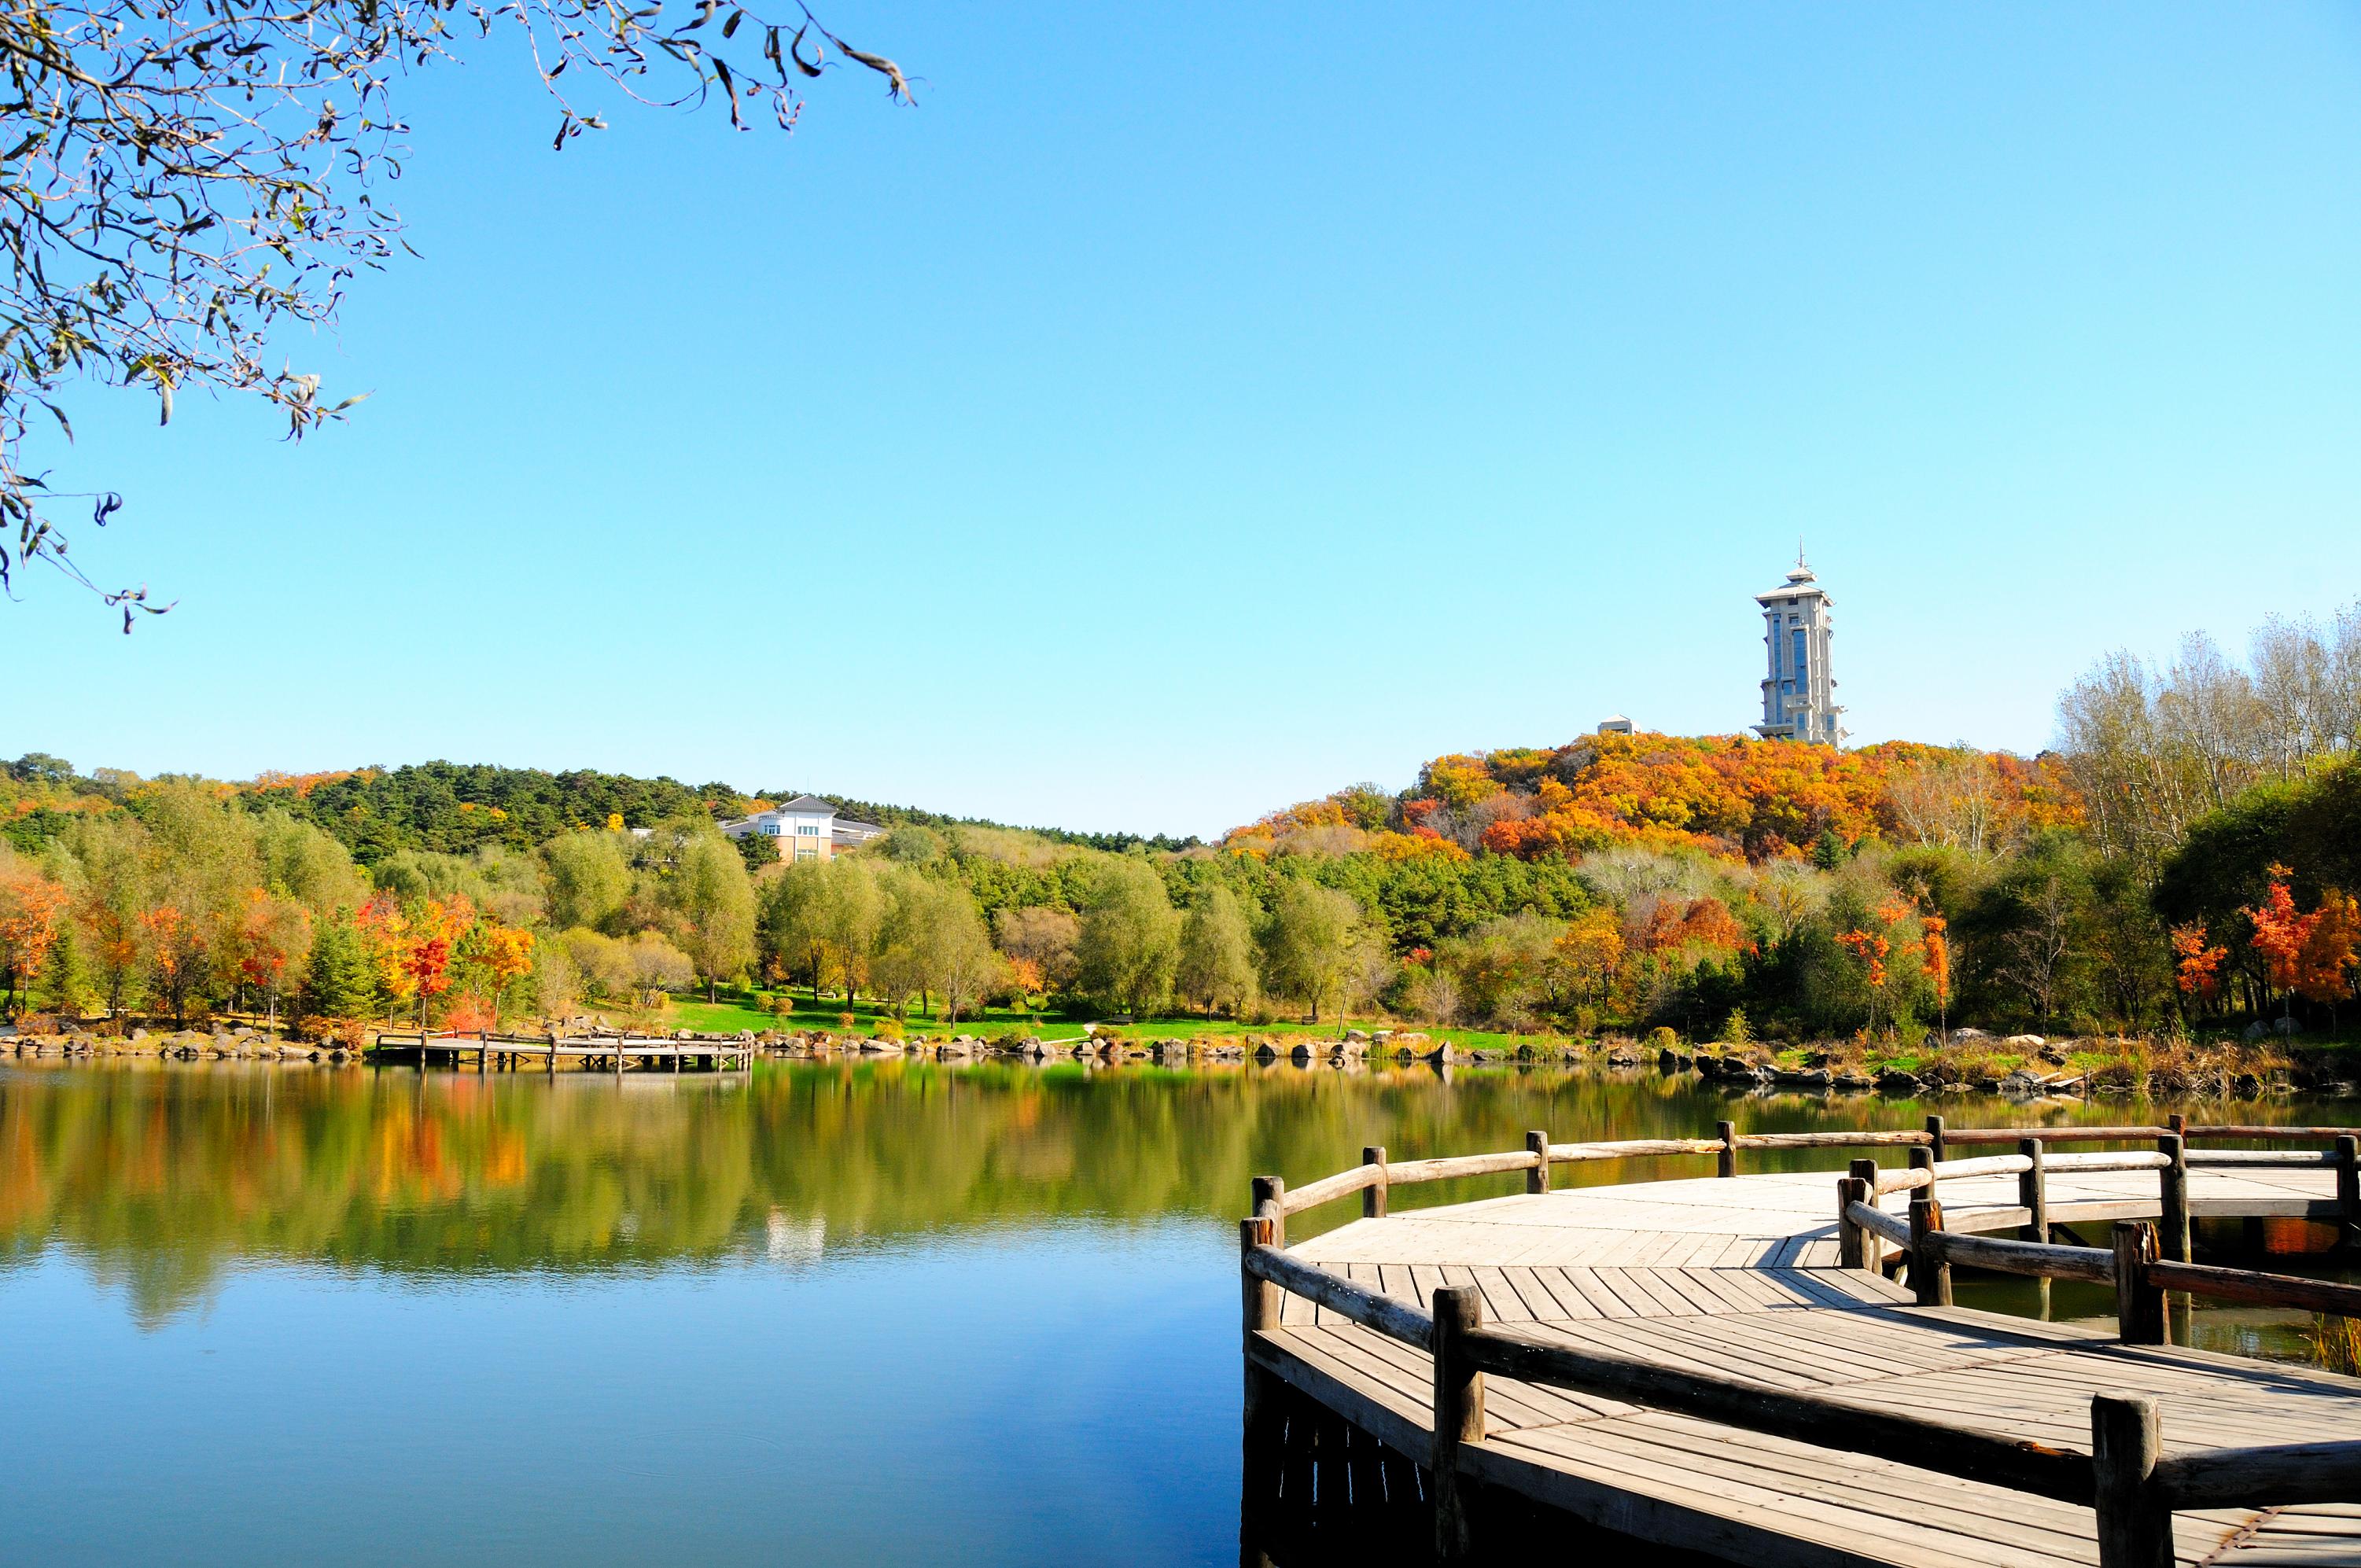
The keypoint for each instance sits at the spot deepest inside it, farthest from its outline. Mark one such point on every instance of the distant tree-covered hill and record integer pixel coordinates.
(452, 808)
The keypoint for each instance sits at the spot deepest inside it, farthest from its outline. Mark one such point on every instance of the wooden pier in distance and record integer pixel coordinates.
(593, 1053)
(1725, 1366)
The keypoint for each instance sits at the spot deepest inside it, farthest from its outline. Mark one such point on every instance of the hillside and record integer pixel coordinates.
(452, 807)
(1731, 796)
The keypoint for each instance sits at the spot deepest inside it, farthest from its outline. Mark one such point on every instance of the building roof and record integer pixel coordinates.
(806, 806)
(1801, 584)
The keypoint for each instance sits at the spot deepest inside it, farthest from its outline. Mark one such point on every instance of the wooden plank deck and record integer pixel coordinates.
(1738, 1277)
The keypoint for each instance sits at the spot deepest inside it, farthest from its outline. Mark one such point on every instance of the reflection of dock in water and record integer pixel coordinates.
(590, 1053)
(1724, 1369)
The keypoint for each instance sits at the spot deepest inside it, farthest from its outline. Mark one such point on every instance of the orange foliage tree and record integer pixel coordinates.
(177, 954)
(2280, 932)
(490, 956)
(1730, 795)
(272, 934)
(1590, 952)
(2325, 964)
(30, 908)
(2196, 964)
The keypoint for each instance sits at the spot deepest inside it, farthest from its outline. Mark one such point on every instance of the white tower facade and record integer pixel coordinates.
(1798, 693)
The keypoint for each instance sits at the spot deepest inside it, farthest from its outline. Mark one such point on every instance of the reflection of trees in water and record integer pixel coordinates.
(163, 1180)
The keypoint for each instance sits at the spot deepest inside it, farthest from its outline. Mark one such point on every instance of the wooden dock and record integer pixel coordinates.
(1698, 1365)
(595, 1053)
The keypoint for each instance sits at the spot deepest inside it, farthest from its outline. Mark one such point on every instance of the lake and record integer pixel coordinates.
(833, 1313)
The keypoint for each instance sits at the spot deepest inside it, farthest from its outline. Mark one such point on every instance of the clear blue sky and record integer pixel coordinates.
(1185, 410)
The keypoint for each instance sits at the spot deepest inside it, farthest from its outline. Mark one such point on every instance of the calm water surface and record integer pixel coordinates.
(838, 1314)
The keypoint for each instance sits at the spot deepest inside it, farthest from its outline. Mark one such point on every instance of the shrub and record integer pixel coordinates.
(1661, 1038)
(2336, 1343)
(891, 1029)
(1735, 1030)
(846, 1020)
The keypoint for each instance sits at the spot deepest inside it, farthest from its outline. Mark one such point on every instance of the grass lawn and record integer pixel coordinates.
(728, 1017)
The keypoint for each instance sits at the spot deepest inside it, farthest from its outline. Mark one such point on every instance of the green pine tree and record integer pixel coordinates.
(343, 982)
(65, 979)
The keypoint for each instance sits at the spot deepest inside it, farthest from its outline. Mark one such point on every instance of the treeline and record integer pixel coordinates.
(451, 808)
(2188, 855)
(183, 897)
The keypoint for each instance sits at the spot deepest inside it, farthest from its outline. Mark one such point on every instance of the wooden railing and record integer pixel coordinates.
(2144, 1261)
(2126, 1477)
(1375, 1176)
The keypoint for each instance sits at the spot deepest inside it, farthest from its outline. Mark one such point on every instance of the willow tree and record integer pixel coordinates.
(184, 179)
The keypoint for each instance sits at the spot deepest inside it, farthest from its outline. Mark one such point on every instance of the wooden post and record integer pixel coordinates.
(1935, 1136)
(2139, 1306)
(1726, 1162)
(1922, 1157)
(1851, 1240)
(2172, 1225)
(1930, 1276)
(1873, 1245)
(1269, 1200)
(2033, 1192)
(1537, 1146)
(483, 1049)
(1373, 1197)
(1264, 1423)
(1458, 1418)
(553, 1051)
(2348, 1187)
(2135, 1523)
(1261, 1301)
(2178, 1123)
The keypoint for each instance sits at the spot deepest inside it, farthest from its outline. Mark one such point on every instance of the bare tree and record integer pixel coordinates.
(1955, 798)
(2034, 952)
(183, 178)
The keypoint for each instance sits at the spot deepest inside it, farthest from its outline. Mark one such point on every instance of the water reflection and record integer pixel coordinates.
(165, 1179)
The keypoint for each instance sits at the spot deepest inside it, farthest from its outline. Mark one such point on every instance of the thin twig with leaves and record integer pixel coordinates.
(184, 177)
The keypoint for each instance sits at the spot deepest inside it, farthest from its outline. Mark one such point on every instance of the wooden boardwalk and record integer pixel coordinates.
(1738, 1277)
(605, 1053)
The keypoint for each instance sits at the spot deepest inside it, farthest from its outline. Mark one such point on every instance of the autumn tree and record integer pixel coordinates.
(32, 910)
(1589, 953)
(2281, 934)
(273, 943)
(492, 956)
(1044, 936)
(2325, 962)
(2197, 964)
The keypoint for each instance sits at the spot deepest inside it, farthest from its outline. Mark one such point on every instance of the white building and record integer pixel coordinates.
(1798, 693)
(807, 828)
